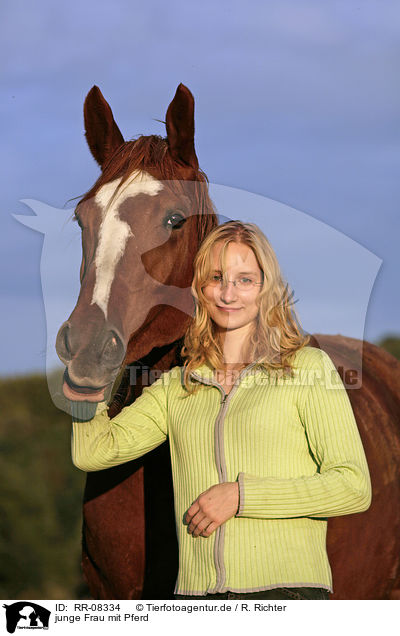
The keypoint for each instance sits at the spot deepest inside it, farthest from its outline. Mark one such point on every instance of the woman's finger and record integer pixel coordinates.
(193, 510)
(201, 526)
(194, 522)
(209, 529)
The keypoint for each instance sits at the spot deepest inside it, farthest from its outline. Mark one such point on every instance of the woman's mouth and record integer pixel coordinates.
(228, 309)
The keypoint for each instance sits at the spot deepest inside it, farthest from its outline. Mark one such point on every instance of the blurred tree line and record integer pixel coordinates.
(391, 344)
(41, 493)
(40, 496)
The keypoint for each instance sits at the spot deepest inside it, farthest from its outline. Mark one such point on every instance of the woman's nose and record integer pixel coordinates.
(228, 292)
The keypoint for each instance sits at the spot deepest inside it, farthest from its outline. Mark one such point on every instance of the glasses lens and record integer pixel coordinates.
(215, 279)
(244, 283)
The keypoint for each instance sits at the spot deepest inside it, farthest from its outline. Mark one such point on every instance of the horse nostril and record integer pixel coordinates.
(114, 350)
(62, 344)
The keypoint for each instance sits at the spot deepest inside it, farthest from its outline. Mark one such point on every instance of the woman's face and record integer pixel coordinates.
(229, 307)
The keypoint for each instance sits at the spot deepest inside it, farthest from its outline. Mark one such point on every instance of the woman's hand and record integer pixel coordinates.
(212, 508)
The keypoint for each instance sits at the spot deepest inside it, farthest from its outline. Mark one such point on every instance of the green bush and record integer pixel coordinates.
(40, 496)
(391, 344)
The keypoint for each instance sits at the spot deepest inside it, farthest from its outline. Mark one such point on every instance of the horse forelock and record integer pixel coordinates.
(149, 154)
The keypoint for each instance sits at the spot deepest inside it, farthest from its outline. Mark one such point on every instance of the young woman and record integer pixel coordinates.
(264, 445)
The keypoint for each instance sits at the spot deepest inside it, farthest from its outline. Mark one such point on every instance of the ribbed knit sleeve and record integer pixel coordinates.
(101, 442)
(341, 484)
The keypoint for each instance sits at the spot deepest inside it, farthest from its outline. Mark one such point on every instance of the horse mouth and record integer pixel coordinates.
(77, 393)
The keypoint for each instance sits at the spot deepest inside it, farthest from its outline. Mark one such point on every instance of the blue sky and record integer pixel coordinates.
(296, 101)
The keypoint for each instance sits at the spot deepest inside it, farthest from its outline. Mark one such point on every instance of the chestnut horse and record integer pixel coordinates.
(142, 223)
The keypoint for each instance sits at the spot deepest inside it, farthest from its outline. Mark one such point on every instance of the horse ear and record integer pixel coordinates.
(101, 131)
(180, 127)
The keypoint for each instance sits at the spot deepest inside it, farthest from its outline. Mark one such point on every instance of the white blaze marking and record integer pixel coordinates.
(113, 232)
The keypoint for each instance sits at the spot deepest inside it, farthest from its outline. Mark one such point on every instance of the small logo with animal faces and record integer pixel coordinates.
(26, 615)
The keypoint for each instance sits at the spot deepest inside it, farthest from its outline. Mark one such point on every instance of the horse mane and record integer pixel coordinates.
(149, 153)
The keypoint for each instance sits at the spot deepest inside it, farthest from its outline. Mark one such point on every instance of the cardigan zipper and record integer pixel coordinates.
(221, 468)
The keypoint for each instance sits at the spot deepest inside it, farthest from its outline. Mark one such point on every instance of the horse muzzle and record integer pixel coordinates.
(91, 366)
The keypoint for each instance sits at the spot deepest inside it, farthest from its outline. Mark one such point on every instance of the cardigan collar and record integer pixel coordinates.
(205, 374)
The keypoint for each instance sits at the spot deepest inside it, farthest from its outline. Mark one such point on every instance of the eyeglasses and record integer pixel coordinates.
(244, 283)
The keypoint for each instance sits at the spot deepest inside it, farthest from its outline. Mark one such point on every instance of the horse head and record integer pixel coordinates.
(141, 223)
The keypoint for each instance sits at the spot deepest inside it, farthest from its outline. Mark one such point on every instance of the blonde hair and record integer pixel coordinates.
(277, 334)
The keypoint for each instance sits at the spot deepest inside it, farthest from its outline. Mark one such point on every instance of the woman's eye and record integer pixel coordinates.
(216, 278)
(174, 221)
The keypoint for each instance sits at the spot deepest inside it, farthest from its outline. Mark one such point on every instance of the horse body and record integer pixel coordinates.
(142, 223)
(364, 549)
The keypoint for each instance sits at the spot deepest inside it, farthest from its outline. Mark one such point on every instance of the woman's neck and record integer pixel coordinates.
(234, 348)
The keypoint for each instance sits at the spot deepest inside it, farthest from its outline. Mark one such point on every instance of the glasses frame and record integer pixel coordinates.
(222, 283)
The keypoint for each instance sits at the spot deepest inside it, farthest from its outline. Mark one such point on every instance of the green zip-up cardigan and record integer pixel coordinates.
(291, 443)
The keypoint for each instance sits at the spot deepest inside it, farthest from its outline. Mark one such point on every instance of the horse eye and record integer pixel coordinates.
(174, 221)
